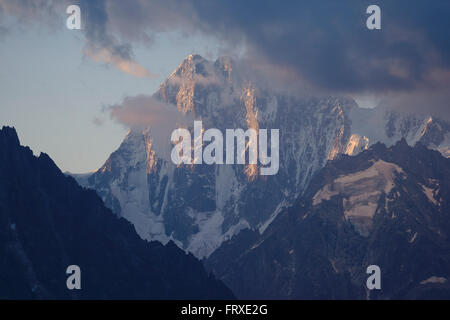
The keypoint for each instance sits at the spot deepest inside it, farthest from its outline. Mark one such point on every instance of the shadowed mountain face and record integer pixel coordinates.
(386, 206)
(201, 206)
(48, 222)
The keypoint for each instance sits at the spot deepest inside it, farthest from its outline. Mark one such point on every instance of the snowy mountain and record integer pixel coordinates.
(201, 206)
(387, 207)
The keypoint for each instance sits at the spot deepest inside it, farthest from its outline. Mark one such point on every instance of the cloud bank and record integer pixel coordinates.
(323, 45)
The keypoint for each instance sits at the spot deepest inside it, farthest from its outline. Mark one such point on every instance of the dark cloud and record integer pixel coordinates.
(327, 41)
(324, 44)
(328, 48)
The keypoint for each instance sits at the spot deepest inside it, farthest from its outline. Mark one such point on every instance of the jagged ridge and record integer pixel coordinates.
(319, 249)
(48, 222)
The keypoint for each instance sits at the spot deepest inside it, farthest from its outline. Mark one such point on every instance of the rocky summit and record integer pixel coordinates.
(200, 207)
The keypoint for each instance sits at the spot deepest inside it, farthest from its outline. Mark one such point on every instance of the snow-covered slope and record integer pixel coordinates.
(201, 206)
(388, 127)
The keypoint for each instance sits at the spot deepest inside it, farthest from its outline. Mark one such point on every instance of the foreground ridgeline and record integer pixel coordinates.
(51, 230)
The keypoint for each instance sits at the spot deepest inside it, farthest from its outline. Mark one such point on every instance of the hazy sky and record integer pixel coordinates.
(56, 83)
(53, 95)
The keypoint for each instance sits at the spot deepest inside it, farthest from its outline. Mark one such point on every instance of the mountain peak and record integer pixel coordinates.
(191, 64)
(194, 57)
(195, 64)
(9, 134)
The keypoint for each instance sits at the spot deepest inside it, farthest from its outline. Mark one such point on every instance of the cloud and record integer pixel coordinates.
(319, 46)
(145, 112)
(101, 45)
(210, 79)
(126, 65)
(323, 46)
(17, 15)
(328, 43)
(434, 103)
(30, 11)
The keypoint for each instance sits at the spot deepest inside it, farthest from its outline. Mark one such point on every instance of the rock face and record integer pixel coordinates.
(201, 206)
(386, 206)
(48, 222)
